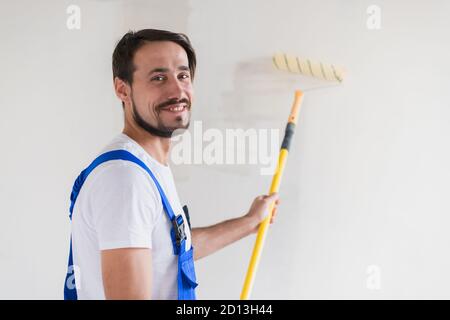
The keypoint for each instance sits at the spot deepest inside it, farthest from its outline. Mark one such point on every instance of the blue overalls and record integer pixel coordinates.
(186, 278)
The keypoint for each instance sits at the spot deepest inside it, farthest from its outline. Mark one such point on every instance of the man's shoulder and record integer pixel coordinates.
(119, 180)
(123, 142)
(120, 171)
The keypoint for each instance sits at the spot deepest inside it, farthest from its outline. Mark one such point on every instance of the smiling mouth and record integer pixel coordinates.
(175, 108)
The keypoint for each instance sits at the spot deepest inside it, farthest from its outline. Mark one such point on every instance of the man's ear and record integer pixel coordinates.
(122, 89)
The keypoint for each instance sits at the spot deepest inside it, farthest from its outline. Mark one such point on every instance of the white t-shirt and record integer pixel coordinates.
(119, 206)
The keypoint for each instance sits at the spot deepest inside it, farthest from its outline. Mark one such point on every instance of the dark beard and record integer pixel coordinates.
(160, 131)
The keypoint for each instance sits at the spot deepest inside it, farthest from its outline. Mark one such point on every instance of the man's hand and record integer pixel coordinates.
(260, 209)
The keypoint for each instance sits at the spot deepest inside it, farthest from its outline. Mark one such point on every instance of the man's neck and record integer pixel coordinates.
(157, 147)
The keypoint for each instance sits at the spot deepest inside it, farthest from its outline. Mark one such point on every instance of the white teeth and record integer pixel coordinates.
(176, 109)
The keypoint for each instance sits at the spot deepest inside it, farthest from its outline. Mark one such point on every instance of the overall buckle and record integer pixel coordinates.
(178, 227)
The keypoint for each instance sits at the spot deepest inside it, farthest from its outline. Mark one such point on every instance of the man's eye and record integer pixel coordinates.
(184, 76)
(158, 78)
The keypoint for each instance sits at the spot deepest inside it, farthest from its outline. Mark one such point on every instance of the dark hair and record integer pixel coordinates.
(122, 58)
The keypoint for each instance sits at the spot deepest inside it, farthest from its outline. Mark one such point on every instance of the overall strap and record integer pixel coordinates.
(116, 155)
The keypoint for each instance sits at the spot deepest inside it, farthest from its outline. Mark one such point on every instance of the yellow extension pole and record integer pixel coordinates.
(275, 186)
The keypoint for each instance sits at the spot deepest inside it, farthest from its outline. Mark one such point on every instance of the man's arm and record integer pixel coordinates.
(208, 240)
(127, 273)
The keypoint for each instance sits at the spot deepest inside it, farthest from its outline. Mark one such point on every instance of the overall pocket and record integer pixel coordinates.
(188, 269)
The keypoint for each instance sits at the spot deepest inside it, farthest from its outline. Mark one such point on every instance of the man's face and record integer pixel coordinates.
(161, 92)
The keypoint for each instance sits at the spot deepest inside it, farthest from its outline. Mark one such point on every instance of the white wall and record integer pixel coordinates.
(366, 179)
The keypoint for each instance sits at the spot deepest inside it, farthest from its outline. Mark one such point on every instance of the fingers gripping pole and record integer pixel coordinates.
(276, 180)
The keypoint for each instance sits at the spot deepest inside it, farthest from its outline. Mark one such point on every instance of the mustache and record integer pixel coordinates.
(173, 101)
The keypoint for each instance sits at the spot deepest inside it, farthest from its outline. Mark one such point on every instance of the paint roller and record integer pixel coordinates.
(308, 67)
(293, 64)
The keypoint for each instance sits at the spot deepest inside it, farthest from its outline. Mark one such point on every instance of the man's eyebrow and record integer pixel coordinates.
(184, 68)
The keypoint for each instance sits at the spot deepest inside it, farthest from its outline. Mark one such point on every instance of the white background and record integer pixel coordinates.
(367, 179)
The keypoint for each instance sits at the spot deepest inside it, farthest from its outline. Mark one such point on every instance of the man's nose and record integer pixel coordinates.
(175, 89)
